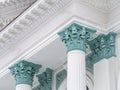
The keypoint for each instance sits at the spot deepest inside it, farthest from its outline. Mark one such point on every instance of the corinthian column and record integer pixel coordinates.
(102, 56)
(75, 38)
(23, 73)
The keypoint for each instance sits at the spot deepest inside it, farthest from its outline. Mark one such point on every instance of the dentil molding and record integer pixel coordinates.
(11, 9)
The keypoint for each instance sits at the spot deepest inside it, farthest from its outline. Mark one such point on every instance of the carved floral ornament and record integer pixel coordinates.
(77, 37)
(45, 80)
(24, 72)
(60, 78)
(102, 47)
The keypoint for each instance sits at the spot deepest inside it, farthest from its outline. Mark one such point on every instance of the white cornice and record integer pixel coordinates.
(104, 5)
(9, 10)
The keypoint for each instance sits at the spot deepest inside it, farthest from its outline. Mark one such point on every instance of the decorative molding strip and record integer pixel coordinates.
(40, 10)
(8, 13)
(7, 4)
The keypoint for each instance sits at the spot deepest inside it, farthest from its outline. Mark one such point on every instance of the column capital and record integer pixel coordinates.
(60, 77)
(45, 79)
(75, 37)
(24, 72)
(102, 47)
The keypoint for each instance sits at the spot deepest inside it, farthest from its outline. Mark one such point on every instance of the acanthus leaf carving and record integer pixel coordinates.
(60, 77)
(102, 47)
(24, 71)
(75, 37)
(45, 80)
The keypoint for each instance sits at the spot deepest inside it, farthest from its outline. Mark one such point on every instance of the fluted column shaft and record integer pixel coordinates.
(102, 57)
(75, 38)
(76, 70)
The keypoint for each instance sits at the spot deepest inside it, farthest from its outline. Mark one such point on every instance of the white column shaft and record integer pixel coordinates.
(23, 87)
(76, 70)
(105, 75)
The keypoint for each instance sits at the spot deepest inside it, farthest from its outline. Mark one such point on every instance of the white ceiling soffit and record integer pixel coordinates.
(42, 21)
(106, 5)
